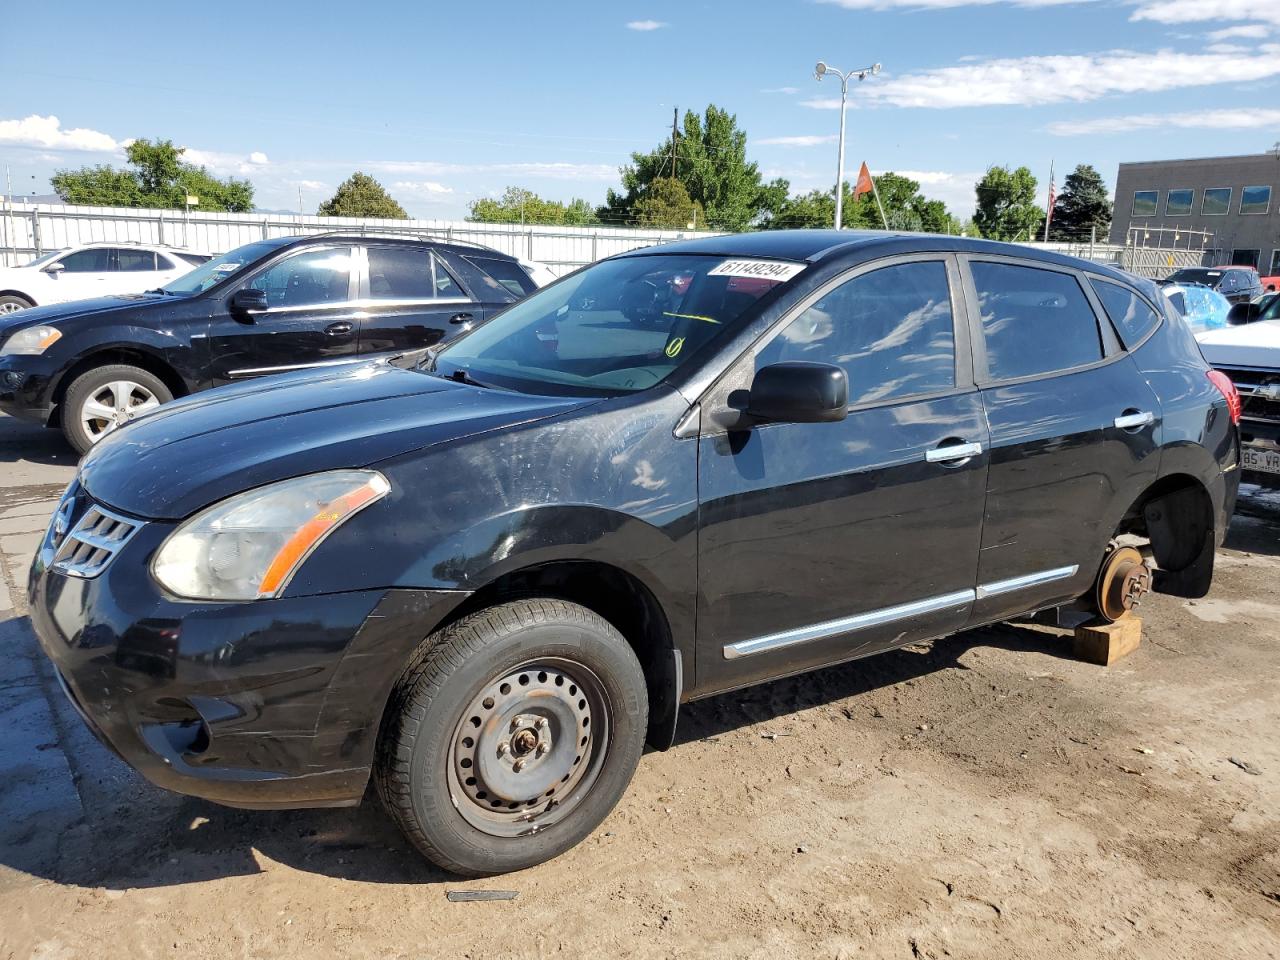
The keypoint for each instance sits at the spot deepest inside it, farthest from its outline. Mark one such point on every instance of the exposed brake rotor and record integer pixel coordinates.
(1123, 581)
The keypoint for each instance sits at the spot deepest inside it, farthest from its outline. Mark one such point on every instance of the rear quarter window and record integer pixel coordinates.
(1132, 316)
(507, 272)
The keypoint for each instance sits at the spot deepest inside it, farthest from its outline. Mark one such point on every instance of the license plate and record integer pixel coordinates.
(1266, 461)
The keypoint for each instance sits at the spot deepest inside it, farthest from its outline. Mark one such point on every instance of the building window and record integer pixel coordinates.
(1178, 203)
(1255, 199)
(1245, 258)
(1145, 202)
(1275, 263)
(1216, 202)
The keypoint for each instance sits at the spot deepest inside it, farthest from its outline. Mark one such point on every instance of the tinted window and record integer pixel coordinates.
(1210, 278)
(195, 259)
(164, 263)
(96, 260)
(1216, 202)
(890, 329)
(134, 261)
(1144, 203)
(400, 273)
(1255, 199)
(445, 285)
(506, 272)
(1132, 316)
(311, 278)
(1178, 202)
(1034, 321)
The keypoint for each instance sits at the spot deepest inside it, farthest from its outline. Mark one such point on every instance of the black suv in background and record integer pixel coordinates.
(267, 307)
(1237, 284)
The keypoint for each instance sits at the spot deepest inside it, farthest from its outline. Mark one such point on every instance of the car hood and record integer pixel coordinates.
(197, 451)
(1250, 345)
(52, 312)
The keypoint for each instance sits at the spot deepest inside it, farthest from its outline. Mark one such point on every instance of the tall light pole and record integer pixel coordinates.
(820, 71)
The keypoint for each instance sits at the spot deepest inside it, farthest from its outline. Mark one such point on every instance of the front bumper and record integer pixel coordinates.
(273, 703)
(26, 387)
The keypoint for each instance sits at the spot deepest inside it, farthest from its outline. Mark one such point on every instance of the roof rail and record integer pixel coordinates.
(409, 233)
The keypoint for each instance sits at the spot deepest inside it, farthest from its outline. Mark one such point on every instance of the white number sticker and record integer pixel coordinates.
(775, 270)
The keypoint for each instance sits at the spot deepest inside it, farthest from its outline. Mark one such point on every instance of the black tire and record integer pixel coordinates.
(427, 717)
(90, 384)
(11, 302)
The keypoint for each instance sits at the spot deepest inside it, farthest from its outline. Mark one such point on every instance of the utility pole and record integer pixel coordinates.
(675, 132)
(820, 71)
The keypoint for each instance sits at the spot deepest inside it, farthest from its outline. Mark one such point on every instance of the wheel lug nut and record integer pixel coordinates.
(541, 723)
(503, 747)
(543, 748)
(518, 766)
(515, 724)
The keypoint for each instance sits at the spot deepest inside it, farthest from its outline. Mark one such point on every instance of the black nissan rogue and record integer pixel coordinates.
(287, 303)
(486, 576)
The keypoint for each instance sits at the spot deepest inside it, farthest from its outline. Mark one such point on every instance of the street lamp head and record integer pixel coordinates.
(875, 69)
(820, 70)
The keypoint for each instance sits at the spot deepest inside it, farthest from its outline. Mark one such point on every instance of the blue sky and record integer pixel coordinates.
(446, 102)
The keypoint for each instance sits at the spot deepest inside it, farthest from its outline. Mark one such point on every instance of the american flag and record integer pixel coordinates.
(1053, 196)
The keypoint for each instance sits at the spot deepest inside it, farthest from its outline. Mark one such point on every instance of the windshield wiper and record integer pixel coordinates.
(460, 375)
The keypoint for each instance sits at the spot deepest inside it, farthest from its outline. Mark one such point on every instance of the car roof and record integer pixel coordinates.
(460, 247)
(132, 245)
(812, 246)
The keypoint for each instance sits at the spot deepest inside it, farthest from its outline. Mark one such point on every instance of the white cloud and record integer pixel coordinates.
(1241, 118)
(426, 189)
(309, 184)
(258, 157)
(789, 91)
(1245, 31)
(225, 164)
(644, 26)
(1057, 79)
(1226, 48)
(801, 141)
(955, 189)
(47, 132)
(1199, 11)
(942, 4)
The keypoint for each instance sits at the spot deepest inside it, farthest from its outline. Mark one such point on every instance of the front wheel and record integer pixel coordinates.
(512, 735)
(107, 397)
(12, 303)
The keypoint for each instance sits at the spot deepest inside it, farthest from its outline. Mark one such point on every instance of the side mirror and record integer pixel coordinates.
(249, 301)
(54, 269)
(1242, 313)
(799, 392)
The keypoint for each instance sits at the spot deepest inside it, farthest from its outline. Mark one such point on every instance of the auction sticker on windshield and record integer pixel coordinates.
(776, 270)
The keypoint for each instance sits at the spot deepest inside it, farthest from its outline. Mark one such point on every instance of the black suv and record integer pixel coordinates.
(1237, 284)
(486, 577)
(266, 307)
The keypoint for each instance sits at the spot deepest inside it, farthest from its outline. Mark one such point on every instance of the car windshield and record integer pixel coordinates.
(1209, 278)
(616, 327)
(219, 268)
(42, 260)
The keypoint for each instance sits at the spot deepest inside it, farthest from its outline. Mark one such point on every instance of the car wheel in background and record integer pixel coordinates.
(512, 735)
(105, 398)
(11, 303)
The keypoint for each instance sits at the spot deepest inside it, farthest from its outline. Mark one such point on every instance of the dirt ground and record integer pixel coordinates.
(981, 796)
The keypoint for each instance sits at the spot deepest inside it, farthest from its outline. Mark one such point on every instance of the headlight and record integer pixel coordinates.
(249, 546)
(30, 342)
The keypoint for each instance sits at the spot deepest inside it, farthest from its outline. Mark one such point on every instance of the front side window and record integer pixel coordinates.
(313, 278)
(93, 260)
(616, 327)
(1216, 202)
(1034, 321)
(1255, 200)
(891, 329)
(1178, 203)
(1132, 315)
(400, 273)
(1144, 203)
(135, 261)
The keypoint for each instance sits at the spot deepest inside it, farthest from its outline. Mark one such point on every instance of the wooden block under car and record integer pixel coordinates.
(1105, 643)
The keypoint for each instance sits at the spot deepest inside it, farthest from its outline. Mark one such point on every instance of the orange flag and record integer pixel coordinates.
(864, 184)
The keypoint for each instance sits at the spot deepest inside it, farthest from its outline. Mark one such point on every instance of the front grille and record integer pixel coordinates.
(90, 545)
(1259, 393)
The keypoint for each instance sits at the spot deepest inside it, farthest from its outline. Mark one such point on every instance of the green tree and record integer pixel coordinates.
(362, 196)
(518, 205)
(1007, 204)
(1082, 208)
(905, 208)
(667, 204)
(710, 159)
(158, 178)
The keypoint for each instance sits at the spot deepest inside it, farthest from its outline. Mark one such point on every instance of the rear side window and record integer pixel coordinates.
(135, 261)
(507, 272)
(1131, 315)
(1033, 321)
(891, 330)
(195, 259)
(400, 273)
(94, 260)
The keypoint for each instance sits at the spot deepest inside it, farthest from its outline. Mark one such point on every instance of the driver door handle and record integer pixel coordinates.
(953, 454)
(462, 318)
(1135, 419)
(339, 329)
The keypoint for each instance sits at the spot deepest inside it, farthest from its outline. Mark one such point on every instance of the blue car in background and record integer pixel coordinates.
(1203, 308)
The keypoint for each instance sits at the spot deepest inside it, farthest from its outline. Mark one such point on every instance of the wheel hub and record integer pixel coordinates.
(1122, 583)
(525, 744)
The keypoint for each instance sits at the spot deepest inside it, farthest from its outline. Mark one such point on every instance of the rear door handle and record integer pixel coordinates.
(462, 318)
(1134, 419)
(953, 454)
(340, 329)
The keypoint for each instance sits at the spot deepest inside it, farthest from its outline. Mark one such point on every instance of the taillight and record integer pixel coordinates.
(1228, 390)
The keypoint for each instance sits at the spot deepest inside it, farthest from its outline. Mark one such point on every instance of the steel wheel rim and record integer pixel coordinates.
(529, 747)
(114, 404)
(10, 307)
